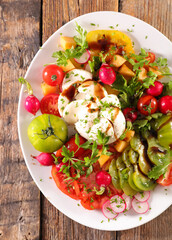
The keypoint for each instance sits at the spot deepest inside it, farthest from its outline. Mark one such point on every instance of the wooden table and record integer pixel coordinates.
(24, 26)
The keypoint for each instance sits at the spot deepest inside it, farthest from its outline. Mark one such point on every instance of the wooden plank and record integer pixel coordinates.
(155, 12)
(158, 14)
(54, 224)
(19, 201)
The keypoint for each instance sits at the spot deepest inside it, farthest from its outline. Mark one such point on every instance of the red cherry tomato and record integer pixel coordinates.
(106, 74)
(165, 104)
(167, 179)
(49, 104)
(147, 105)
(130, 114)
(103, 179)
(71, 145)
(53, 75)
(150, 57)
(155, 90)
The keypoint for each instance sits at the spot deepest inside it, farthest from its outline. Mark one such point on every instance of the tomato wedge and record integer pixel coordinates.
(49, 104)
(167, 179)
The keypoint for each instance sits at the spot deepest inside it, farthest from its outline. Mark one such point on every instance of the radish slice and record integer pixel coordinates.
(87, 67)
(84, 57)
(118, 204)
(128, 201)
(140, 207)
(143, 196)
(107, 210)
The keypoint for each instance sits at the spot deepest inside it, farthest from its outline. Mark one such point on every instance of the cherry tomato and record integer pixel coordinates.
(150, 57)
(106, 74)
(71, 145)
(165, 104)
(167, 179)
(103, 179)
(49, 104)
(53, 75)
(130, 114)
(155, 90)
(147, 105)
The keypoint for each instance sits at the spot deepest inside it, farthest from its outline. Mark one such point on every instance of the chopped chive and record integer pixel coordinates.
(92, 24)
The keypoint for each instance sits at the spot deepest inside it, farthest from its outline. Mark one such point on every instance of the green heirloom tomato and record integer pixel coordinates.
(47, 133)
(163, 126)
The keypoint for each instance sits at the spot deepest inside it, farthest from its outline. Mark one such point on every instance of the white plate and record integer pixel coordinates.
(160, 199)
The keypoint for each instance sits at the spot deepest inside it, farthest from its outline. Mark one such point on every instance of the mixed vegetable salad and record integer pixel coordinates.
(121, 111)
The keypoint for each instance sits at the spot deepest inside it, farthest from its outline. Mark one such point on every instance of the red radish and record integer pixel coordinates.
(130, 114)
(108, 211)
(165, 104)
(140, 207)
(128, 201)
(155, 90)
(106, 74)
(87, 67)
(59, 166)
(103, 179)
(45, 159)
(32, 104)
(118, 204)
(143, 196)
(85, 57)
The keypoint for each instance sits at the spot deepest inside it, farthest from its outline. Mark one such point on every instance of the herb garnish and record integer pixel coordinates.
(81, 46)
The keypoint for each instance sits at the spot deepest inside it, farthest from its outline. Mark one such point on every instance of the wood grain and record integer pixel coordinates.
(20, 198)
(155, 12)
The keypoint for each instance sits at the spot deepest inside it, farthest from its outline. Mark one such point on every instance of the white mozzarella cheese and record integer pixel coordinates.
(117, 118)
(62, 103)
(119, 124)
(75, 76)
(105, 126)
(112, 100)
(70, 113)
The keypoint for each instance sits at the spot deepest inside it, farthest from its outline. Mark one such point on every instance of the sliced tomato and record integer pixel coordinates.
(67, 187)
(167, 179)
(49, 104)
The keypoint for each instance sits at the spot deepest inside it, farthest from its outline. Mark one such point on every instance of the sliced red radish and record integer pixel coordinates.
(84, 57)
(87, 67)
(108, 211)
(140, 207)
(142, 196)
(128, 201)
(118, 204)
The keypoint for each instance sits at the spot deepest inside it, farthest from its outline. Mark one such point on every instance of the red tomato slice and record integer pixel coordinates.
(167, 179)
(53, 75)
(67, 187)
(49, 104)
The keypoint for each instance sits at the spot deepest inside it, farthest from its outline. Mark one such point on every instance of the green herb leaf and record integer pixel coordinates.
(157, 171)
(25, 82)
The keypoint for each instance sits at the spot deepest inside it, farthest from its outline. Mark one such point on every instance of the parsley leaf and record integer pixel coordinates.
(81, 46)
(157, 171)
